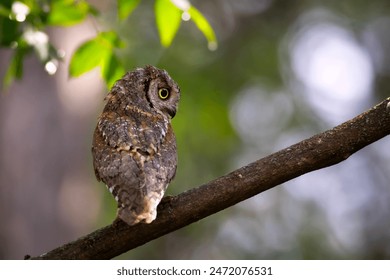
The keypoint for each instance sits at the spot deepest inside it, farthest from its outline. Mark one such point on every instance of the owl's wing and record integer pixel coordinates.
(136, 158)
(143, 133)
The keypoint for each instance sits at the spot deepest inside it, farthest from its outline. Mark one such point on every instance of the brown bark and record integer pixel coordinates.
(322, 150)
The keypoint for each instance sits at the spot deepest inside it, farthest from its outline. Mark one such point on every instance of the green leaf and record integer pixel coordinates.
(15, 68)
(4, 11)
(88, 56)
(204, 26)
(126, 7)
(112, 70)
(110, 39)
(98, 51)
(168, 18)
(68, 12)
(9, 31)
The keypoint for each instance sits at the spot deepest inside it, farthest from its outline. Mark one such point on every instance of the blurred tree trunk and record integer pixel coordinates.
(30, 121)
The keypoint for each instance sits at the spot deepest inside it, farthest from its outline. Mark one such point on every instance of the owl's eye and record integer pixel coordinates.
(163, 93)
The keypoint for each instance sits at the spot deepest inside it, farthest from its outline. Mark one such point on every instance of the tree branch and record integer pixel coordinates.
(322, 150)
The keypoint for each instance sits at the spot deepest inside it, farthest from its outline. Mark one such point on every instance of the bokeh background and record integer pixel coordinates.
(283, 71)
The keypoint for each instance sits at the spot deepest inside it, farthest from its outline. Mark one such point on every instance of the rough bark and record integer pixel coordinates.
(322, 150)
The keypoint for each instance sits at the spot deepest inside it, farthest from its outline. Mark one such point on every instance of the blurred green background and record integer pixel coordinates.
(283, 71)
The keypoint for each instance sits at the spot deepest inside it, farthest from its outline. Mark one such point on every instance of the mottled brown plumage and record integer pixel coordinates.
(134, 148)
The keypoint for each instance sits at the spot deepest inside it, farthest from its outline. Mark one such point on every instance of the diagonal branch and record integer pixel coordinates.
(322, 150)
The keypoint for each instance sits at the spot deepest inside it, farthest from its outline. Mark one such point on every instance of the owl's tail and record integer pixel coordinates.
(140, 210)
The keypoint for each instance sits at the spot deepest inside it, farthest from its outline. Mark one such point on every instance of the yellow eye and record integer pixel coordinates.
(163, 93)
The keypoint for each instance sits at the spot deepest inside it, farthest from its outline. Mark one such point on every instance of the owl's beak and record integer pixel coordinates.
(171, 112)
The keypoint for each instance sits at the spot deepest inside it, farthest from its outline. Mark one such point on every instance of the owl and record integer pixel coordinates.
(134, 147)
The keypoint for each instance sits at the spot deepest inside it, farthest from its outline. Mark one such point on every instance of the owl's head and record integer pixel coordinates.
(162, 93)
